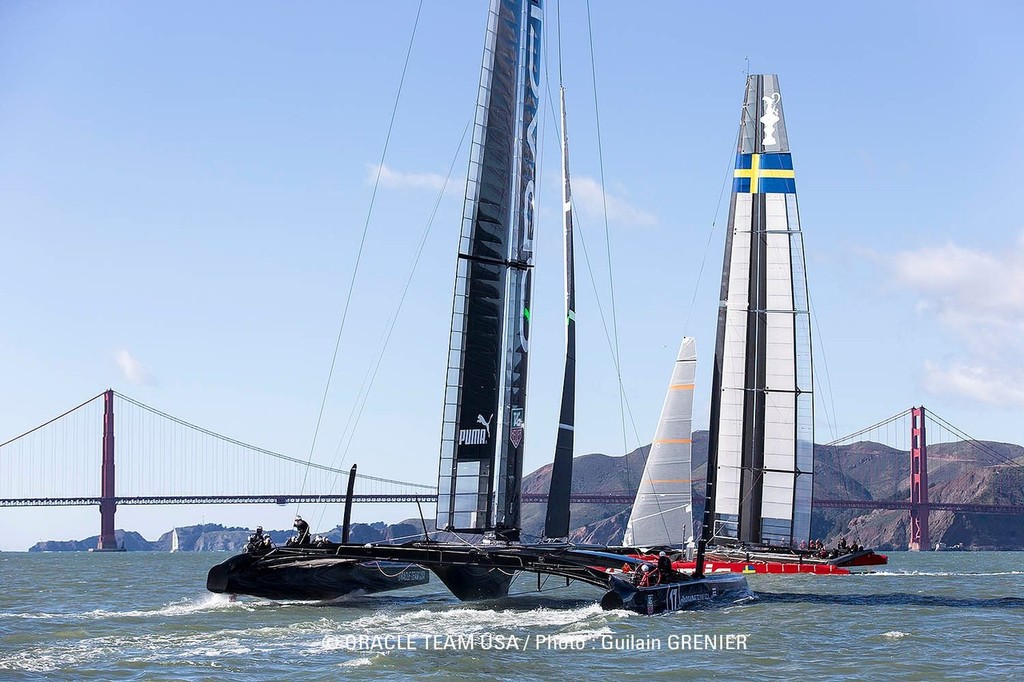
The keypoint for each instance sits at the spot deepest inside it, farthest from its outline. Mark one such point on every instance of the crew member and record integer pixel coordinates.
(642, 577)
(665, 567)
(257, 540)
(301, 531)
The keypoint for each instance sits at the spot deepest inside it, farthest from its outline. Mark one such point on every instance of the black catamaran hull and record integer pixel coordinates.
(674, 596)
(485, 572)
(308, 574)
(474, 583)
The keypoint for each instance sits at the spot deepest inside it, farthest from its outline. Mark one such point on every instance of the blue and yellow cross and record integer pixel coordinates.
(764, 173)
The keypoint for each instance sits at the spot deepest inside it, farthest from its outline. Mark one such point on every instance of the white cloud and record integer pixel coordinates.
(587, 197)
(389, 177)
(975, 382)
(587, 194)
(978, 296)
(133, 370)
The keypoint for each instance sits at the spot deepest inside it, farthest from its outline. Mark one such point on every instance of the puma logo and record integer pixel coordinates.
(486, 423)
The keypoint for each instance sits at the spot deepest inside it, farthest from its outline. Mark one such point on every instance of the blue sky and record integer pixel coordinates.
(183, 188)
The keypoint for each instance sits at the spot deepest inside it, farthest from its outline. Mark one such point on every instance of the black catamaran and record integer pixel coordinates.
(484, 417)
(484, 421)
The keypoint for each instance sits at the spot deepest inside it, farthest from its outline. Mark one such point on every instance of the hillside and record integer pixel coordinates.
(861, 471)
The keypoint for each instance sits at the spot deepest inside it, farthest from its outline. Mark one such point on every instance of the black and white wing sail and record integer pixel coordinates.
(762, 421)
(485, 394)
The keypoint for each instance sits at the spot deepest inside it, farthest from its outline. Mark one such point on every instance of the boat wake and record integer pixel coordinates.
(183, 607)
(894, 599)
(936, 574)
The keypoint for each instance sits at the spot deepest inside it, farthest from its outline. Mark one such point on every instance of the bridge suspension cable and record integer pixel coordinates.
(868, 429)
(974, 442)
(264, 451)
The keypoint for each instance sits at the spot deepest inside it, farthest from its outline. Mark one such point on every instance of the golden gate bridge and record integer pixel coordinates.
(149, 457)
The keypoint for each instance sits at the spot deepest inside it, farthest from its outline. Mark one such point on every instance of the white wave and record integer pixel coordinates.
(895, 634)
(578, 638)
(356, 663)
(937, 574)
(428, 623)
(183, 607)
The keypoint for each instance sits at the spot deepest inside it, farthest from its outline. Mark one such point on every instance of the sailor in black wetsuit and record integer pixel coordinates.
(257, 541)
(665, 567)
(301, 531)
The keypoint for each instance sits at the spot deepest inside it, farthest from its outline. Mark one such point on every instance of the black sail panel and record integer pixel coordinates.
(520, 276)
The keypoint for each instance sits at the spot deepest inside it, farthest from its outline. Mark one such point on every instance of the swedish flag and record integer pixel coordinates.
(764, 174)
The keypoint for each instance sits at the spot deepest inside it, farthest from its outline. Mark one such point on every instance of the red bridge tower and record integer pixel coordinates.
(919, 539)
(108, 499)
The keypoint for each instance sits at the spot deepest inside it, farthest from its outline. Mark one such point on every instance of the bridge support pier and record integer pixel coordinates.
(919, 538)
(108, 498)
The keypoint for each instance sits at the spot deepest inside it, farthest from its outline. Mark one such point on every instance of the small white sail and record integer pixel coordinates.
(662, 509)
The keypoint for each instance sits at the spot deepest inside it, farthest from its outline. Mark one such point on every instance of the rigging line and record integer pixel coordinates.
(578, 231)
(59, 416)
(711, 233)
(359, 251)
(832, 423)
(371, 371)
(260, 450)
(607, 235)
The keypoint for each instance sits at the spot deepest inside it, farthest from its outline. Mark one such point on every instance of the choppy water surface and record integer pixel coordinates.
(148, 616)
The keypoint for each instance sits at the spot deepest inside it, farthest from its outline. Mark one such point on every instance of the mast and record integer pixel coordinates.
(661, 511)
(762, 407)
(346, 523)
(485, 395)
(557, 521)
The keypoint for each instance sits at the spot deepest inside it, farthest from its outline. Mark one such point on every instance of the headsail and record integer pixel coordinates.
(557, 522)
(485, 394)
(762, 422)
(662, 511)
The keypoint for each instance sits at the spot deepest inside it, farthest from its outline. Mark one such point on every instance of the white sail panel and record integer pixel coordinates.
(734, 359)
(777, 507)
(661, 513)
(779, 432)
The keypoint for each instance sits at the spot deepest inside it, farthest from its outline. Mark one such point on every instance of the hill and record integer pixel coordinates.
(958, 472)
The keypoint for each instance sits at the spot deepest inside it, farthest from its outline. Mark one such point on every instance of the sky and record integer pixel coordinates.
(184, 189)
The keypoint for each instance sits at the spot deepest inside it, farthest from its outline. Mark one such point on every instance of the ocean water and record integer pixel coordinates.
(926, 616)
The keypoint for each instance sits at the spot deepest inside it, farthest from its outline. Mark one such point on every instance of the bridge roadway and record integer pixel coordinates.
(579, 498)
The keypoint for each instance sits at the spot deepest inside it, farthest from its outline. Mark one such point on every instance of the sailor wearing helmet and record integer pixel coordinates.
(301, 531)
